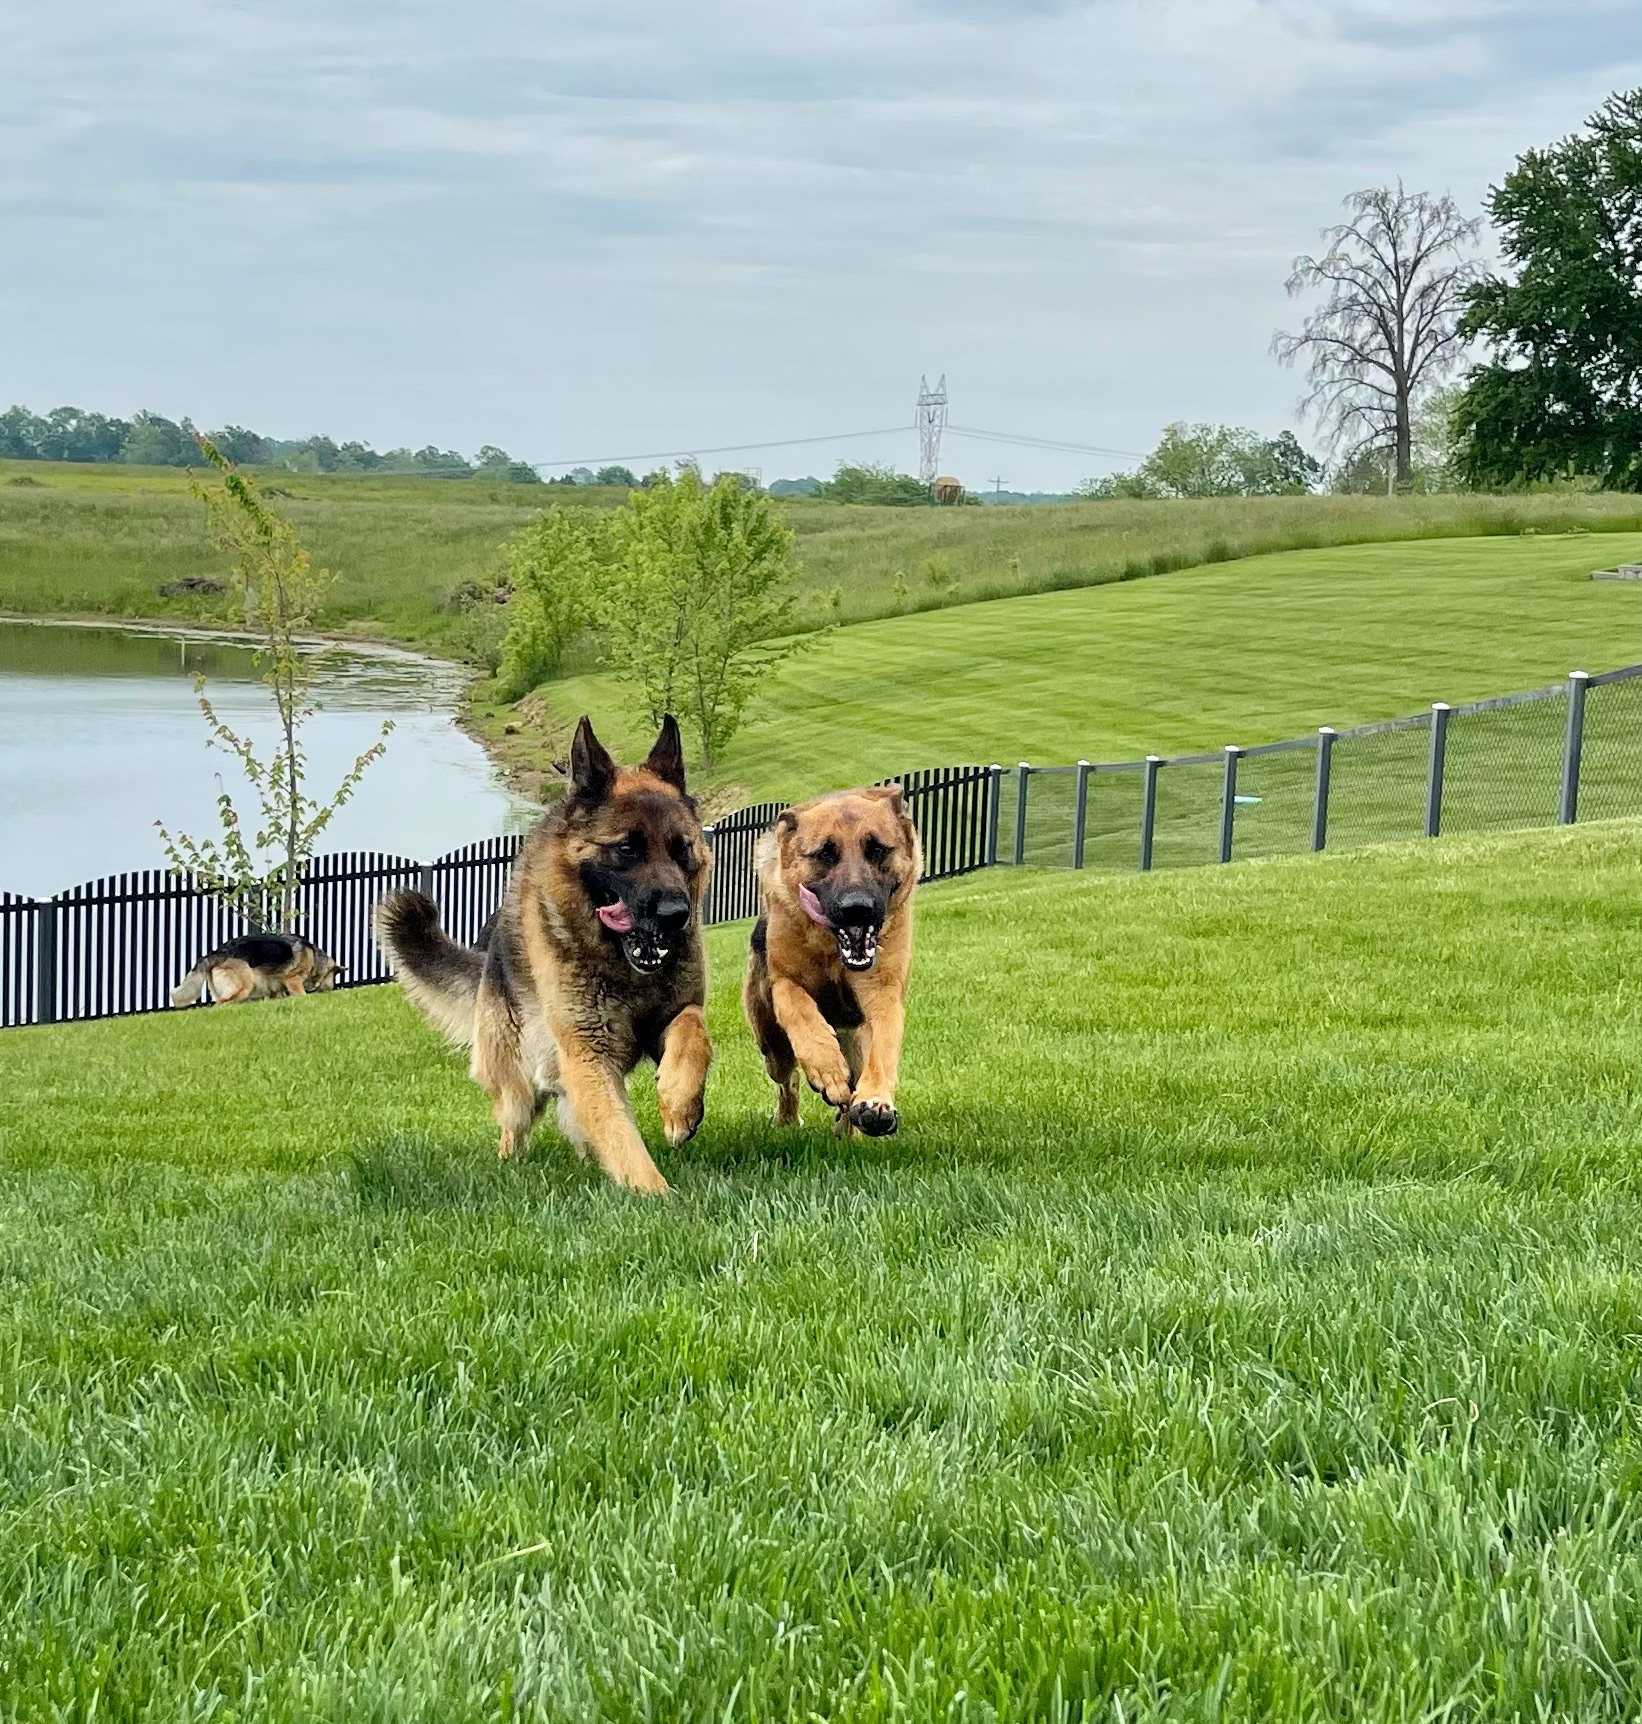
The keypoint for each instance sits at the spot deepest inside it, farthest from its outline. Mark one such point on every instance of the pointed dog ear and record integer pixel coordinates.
(666, 759)
(890, 793)
(592, 771)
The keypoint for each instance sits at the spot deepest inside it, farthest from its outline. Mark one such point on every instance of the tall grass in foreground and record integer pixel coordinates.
(1245, 1324)
(102, 541)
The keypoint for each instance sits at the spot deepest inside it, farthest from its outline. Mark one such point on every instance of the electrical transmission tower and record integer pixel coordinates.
(931, 423)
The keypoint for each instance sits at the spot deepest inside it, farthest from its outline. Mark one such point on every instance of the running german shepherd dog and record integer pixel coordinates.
(258, 967)
(593, 962)
(826, 986)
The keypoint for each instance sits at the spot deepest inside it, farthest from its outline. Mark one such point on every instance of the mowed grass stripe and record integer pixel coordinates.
(101, 540)
(1246, 1322)
(1245, 653)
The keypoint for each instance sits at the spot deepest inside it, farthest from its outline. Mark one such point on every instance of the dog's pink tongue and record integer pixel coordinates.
(616, 917)
(811, 906)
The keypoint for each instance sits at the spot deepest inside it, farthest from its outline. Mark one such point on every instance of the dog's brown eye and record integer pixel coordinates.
(631, 848)
(681, 853)
(826, 856)
(875, 852)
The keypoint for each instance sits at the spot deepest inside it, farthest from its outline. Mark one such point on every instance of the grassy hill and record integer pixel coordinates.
(87, 540)
(1240, 653)
(1245, 1328)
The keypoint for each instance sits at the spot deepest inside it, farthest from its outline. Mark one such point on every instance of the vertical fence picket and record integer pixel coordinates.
(1434, 774)
(1572, 747)
(1228, 801)
(1325, 764)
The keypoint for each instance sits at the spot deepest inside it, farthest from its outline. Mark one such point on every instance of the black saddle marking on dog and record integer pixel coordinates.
(261, 951)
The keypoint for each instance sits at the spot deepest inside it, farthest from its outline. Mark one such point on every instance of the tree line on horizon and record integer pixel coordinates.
(151, 440)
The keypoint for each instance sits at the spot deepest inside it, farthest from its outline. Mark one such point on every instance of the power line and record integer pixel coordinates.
(720, 449)
(1042, 443)
(1009, 437)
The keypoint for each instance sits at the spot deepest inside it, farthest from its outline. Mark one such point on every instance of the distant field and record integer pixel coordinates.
(1240, 653)
(1245, 1324)
(102, 540)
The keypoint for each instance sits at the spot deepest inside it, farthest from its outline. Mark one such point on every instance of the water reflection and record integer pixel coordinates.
(100, 736)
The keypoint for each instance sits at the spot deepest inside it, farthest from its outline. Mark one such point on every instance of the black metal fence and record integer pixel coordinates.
(119, 945)
(1538, 758)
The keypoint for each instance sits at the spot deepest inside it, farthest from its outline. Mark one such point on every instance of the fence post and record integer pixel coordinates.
(1080, 807)
(1228, 801)
(1148, 809)
(1325, 766)
(45, 961)
(1433, 777)
(424, 879)
(1023, 772)
(1573, 746)
(994, 797)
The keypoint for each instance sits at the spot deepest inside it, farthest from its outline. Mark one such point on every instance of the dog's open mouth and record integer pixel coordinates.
(640, 946)
(857, 945)
(644, 951)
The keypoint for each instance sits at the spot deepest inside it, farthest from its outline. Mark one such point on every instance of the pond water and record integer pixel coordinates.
(101, 735)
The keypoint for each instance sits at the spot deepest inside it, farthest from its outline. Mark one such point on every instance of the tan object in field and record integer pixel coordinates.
(946, 489)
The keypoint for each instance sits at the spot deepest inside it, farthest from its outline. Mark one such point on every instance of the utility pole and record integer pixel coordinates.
(997, 488)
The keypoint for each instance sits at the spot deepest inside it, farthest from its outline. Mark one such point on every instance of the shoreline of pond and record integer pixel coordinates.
(89, 696)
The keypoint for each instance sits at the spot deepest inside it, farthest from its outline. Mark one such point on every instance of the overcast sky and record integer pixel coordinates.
(632, 226)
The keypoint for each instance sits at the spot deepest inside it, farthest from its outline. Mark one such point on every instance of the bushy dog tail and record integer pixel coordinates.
(440, 976)
(189, 989)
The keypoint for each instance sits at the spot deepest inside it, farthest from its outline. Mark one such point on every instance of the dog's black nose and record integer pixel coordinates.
(671, 913)
(855, 909)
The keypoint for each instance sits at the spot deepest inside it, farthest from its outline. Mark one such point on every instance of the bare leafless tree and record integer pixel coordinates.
(1395, 275)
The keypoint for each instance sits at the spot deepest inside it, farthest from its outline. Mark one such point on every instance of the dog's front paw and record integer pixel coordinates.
(681, 1120)
(875, 1118)
(643, 1177)
(831, 1083)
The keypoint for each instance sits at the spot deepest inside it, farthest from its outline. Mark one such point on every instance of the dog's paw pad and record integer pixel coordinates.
(875, 1118)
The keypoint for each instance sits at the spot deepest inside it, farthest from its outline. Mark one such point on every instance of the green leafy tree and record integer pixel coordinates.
(1276, 467)
(1394, 280)
(870, 483)
(1214, 461)
(244, 448)
(71, 434)
(1562, 396)
(278, 591)
(616, 476)
(155, 441)
(553, 567)
(698, 596)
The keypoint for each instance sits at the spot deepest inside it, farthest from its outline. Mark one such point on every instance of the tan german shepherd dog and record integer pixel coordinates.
(258, 967)
(826, 985)
(593, 963)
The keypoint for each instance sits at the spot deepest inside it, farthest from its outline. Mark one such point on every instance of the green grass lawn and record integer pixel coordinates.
(97, 540)
(1250, 652)
(1246, 1323)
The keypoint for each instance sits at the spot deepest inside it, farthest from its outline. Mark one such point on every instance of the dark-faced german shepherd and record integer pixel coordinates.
(826, 984)
(258, 967)
(593, 962)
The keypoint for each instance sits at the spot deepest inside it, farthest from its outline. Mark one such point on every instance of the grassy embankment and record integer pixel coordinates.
(1245, 1323)
(96, 541)
(1242, 653)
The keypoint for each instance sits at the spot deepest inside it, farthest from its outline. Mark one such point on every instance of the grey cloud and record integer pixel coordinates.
(627, 225)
